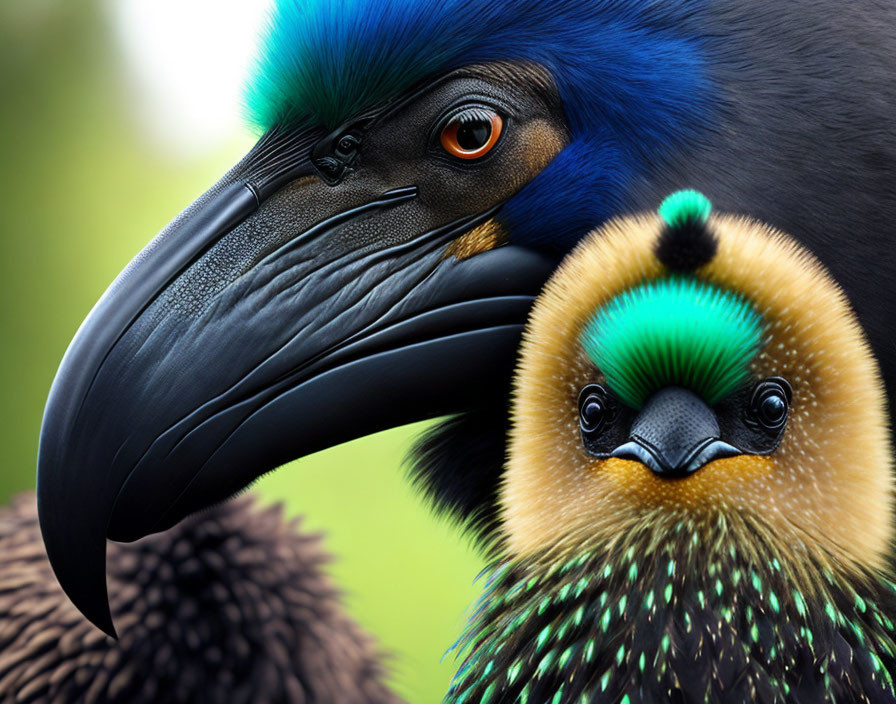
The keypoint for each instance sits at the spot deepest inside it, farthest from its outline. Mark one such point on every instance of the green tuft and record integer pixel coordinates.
(685, 206)
(675, 331)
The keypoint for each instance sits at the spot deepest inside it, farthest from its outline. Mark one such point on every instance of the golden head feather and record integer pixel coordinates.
(827, 484)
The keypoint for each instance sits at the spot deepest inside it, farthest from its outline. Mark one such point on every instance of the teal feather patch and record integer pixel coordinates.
(675, 331)
(321, 62)
(685, 206)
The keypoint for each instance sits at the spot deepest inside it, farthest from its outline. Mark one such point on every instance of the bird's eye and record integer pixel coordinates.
(594, 408)
(472, 133)
(771, 402)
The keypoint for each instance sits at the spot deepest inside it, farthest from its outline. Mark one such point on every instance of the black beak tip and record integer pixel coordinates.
(99, 614)
(73, 526)
(701, 455)
(654, 461)
(82, 576)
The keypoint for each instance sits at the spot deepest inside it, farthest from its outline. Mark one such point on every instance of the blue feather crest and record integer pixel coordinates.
(631, 74)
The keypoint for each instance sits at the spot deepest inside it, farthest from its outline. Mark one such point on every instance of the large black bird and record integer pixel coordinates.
(424, 165)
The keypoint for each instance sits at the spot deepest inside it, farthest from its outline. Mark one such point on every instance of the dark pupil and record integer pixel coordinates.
(474, 133)
(592, 413)
(773, 408)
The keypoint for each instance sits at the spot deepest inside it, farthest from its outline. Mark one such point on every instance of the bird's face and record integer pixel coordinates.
(346, 276)
(335, 283)
(744, 387)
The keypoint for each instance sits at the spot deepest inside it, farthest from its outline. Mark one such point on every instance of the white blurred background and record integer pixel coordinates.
(188, 60)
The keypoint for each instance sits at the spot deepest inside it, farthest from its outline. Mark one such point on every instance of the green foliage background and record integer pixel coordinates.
(80, 194)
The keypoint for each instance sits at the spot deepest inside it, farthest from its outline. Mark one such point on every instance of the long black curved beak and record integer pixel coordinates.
(273, 318)
(675, 434)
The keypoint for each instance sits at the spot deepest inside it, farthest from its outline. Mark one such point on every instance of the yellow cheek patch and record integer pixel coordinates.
(481, 238)
(717, 482)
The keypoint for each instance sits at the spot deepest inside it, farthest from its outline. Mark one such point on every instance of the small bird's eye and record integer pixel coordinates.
(472, 133)
(771, 402)
(594, 408)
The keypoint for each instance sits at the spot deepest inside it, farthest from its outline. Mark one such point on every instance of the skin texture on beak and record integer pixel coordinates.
(265, 323)
(675, 434)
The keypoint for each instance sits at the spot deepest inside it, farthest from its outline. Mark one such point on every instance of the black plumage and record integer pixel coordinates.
(457, 463)
(232, 605)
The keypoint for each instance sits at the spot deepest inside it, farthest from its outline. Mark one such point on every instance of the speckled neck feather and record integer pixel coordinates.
(680, 609)
(675, 331)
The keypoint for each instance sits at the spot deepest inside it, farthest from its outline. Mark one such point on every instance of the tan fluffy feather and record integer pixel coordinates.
(828, 485)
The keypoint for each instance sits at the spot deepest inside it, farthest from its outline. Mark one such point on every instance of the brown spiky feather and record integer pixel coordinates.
(229, 606)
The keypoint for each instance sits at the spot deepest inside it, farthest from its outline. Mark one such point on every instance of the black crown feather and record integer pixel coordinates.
(685, 242)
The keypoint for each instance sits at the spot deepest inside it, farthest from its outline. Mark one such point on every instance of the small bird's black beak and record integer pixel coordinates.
(675, 434)
(275, 317)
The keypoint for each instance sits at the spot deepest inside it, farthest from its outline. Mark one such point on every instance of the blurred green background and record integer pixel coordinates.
(96, 157)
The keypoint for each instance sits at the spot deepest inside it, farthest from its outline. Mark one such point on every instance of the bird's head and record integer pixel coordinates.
(369, 263)
(697, 367)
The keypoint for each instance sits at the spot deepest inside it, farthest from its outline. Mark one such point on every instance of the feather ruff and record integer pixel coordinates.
(675, 331)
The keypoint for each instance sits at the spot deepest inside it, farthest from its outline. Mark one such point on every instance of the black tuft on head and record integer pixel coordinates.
(685, 242)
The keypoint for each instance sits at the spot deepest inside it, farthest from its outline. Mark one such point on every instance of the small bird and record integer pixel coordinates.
(698, 504)
(231, 605)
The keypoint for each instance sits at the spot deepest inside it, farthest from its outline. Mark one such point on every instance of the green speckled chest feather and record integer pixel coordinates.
(683, 610)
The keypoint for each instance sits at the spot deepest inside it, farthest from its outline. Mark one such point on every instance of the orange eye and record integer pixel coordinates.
(471, 134)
